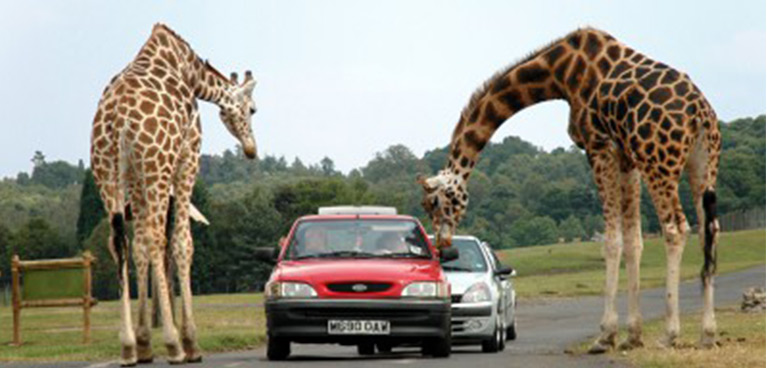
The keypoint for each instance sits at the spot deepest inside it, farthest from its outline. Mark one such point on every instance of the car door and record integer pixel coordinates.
(505, 283)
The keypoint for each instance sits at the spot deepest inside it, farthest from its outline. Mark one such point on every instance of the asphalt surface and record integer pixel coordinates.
(546, 328)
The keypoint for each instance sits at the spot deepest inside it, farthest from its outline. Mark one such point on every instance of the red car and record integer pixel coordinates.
(361, 276)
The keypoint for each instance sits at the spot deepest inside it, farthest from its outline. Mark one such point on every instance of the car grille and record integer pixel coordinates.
(457, 326)
(383, 313)
(348, 287)
(456, 298)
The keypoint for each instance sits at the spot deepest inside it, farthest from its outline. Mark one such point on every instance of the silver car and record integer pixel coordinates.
(483, 297)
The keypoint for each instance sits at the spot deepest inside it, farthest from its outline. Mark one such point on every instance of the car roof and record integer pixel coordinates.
(359, 216)
(460, 237)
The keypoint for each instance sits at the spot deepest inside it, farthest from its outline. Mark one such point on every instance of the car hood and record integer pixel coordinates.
(353, 270)
(460, 281)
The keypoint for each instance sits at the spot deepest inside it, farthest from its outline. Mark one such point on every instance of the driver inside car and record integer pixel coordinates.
(391, 243)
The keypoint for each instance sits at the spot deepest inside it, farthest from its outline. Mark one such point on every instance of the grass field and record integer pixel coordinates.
(224, 323)
(236, 321)
(573, 269)
(741, 339)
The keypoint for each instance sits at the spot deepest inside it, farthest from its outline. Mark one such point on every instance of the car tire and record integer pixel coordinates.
(437, 347)
(502, 339)
(384, 347)
(511, 331)
(277, 349)
(493, 344)
(367, 348)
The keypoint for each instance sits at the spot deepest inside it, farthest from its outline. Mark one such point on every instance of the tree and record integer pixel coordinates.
(37, 240)
(534, 231)
(571, 228)
(91, 208)
(328, 166)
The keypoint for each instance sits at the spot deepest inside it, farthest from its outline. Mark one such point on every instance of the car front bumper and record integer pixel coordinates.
(473, 321)
(306, 320)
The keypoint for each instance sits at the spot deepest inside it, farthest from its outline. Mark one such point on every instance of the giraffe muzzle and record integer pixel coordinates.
(249, 148)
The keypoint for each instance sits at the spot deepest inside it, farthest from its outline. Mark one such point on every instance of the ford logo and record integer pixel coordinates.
(359, 287)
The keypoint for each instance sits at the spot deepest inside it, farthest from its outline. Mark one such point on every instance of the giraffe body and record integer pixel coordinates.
(637, 119)
(145, 147)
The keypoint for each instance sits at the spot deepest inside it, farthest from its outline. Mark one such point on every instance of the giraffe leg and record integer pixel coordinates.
(607, 177)
(119, 247)
(183, 250)
(143, 330)
(701, 180)
(632, 249)
(155, 236)
(665, 196)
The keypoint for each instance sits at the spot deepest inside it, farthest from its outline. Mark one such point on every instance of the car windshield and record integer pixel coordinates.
(470, 258)
(359, 238)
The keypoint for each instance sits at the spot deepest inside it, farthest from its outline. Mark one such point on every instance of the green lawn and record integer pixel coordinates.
(227, 322)
(224, 323)
(573, 269)
(741, 341)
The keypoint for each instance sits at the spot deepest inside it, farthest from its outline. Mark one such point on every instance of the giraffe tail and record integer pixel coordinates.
(711, 231)
(119, 243)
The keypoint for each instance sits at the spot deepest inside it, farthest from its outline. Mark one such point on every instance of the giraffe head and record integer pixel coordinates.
(445, 199)
(236, 112)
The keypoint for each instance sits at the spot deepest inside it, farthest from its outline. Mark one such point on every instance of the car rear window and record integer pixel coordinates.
(358, 238)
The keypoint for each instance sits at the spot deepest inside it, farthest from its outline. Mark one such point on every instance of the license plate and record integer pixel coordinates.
(358, 327)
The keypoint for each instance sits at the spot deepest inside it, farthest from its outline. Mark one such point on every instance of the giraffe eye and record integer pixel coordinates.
(252, 110)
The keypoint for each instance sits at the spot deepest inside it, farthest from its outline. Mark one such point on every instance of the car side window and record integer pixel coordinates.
(496, 262)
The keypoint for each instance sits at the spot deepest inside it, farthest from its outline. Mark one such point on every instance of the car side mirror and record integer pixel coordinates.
(267, 254)
(448, 254)
(505, 271)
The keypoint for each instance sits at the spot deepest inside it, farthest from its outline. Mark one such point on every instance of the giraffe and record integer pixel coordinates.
(145, 147)
(637, 119)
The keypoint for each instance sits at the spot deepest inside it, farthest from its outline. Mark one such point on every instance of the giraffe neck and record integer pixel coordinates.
(167, 49)
(559, 71)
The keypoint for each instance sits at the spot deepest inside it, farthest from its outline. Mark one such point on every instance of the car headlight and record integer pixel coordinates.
(426, 289)
(276, 290)
(478, 292)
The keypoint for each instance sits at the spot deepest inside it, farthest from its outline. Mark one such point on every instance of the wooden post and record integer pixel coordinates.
(16, 300)
(87, 299)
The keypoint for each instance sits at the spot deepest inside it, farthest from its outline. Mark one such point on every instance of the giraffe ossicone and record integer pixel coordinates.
(145, 147)
(638, 120)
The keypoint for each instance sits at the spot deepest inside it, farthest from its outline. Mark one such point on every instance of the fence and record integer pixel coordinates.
(743, 220)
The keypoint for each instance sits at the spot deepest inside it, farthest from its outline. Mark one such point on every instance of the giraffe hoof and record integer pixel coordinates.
(128, 356)
(194, 358)
(146, 360)
(598, 347)
(631, 344)
(667, 343)
(128, 363)
(707, 341)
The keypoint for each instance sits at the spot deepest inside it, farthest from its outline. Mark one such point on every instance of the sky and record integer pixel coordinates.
(347, 79)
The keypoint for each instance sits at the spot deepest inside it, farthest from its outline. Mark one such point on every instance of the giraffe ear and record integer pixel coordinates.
(248, 86)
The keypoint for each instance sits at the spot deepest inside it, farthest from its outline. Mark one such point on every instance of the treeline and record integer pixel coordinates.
(520, 195)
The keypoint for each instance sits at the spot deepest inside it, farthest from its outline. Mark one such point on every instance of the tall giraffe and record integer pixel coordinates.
(636, 119)
(145, 149)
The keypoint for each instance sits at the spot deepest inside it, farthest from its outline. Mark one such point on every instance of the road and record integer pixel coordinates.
(546, 328)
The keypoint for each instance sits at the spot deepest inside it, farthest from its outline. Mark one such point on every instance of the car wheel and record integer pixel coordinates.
(493, 344)
(384, 347)
(437, 347)
(367, 348)
(511, 331)
(277, 349)
(502, 339)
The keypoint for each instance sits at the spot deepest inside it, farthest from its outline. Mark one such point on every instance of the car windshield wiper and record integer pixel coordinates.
(402, 255)
(455, 268)
(345, 254)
